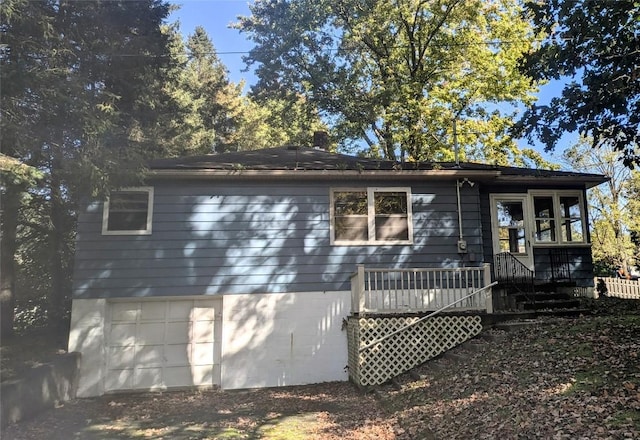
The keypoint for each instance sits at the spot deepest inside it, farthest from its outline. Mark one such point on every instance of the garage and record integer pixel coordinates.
(161, 344)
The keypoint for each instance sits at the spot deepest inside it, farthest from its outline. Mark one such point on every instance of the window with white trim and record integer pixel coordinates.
(559, 217)
(128, 212)
(371, 216)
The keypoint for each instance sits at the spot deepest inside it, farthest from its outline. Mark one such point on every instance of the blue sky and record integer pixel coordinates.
(216, 16)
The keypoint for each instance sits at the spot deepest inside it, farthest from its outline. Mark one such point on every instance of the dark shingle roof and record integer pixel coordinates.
(311, 159)
(283, 158)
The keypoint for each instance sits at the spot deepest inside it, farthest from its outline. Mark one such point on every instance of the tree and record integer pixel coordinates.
(19, 177)
(205, 78)
(84, 103)
(276, 122)
(594, 45)
(229, 121)
(610, 213)
(396, 75)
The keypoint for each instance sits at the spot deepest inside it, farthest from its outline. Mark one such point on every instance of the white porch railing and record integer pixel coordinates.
(621, 288)
(420, 289)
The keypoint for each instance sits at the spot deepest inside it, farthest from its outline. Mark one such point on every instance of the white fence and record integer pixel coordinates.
(418, 290)
(621, 288)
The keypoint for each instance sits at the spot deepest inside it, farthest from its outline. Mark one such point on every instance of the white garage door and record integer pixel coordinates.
(163, 344)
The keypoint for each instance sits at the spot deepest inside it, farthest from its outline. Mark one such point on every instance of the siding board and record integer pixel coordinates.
(247, 238)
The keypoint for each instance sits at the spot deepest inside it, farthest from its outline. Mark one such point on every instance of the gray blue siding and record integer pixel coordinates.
(245, 237)
(579, 259)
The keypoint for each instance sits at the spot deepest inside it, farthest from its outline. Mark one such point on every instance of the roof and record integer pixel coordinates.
(301, 162)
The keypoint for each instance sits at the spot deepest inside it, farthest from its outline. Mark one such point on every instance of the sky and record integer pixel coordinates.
(215, 16)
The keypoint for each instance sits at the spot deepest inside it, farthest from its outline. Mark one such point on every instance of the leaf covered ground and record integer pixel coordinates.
(559, 379)
(562, 379)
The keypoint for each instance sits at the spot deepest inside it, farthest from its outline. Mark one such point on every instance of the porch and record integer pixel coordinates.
(401, 318)
(396, 320)
(376, 291)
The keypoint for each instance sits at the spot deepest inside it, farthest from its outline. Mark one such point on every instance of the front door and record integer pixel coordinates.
(510, 227)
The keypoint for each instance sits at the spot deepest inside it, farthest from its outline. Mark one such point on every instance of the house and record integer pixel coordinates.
(239, 269)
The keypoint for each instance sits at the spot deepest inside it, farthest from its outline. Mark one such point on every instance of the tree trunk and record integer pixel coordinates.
(389, 147)
(57, 234)
(9, 218)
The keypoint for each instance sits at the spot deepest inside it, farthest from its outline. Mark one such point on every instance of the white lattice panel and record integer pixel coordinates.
(409, 348)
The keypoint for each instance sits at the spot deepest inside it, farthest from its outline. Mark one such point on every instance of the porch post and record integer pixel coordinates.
(361, 299)
(488, 295)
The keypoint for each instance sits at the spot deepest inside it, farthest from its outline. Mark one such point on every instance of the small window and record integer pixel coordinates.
(373, 215)
(128, 212)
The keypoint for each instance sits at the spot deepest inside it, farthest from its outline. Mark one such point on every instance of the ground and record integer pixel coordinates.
(561, 379)
(327, 411)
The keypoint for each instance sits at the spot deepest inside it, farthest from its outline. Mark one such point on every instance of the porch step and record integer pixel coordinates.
(541, 296)
(512, 326)
(547, 286)
(565, 313)
(553, 304)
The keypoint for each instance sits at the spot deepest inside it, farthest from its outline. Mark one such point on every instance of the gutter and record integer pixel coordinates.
(323, 174)
(586, 181)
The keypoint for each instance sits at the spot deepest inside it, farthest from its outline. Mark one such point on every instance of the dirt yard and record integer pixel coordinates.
(564, 379)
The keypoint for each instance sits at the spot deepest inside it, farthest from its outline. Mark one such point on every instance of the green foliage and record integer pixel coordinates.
(612, 205)
(205, 79)
(219, 118)
(595, 45)
(14, 172)
(395, 75)
(276, 122)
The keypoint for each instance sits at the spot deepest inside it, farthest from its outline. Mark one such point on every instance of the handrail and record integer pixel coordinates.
(513, 263)
(430, 315)
(508, 269)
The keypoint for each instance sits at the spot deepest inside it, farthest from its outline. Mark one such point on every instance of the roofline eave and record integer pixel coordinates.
(322, 174)
(587, 182)
(486, 176)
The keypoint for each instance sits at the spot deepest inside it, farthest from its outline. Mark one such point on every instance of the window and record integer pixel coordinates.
(571, 224)
(128, 212)
(372, 215)
(559, 217)
(543, 213)
(511, 230)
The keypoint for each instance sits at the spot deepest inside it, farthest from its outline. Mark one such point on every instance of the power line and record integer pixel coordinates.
(363, 49)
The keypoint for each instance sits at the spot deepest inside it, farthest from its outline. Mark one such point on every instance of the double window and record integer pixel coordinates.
(371, 216)
(128, 212)
(558, 217)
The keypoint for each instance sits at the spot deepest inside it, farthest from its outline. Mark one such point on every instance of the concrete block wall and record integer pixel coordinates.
(39, 389)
